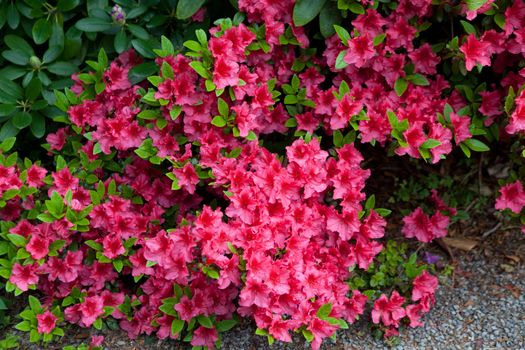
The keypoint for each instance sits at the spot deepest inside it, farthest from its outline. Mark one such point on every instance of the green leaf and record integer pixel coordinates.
(149, 114)
(102, 58)
(338, 138)
(10, 90)
(121, 41)
(41, 31)
(199, 68)
(400, 86)
(417, 79)
(356, 8)
(17, 240)
(138, 31)
(306, 10)
(62, 68)
(118, 264)
(509, 100)
(430, 143)
(379, 39)
(324, 311)
(226, 325)
(473, 5)
(342, 33)
(370, 202)
(469, 28)
(142, 71)
(204, 321)
(143, 47)
(35, 305)
(67, 5)
(51, 54)
(33, 89)
(167, 45)
(329, 16)
(16, 43)
(23, 326)
(476, 145)
(21, 120)
(8, 130)
(7, 144)
(177, 326)
(218, 121)
(93, 25)
(223, 108)
(16, 57)
(187, 8)
(167, 71)
(340, 62)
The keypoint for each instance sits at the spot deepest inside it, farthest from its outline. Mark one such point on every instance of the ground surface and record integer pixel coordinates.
(482, 308)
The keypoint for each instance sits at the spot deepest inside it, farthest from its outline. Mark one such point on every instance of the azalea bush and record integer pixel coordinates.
(231, 181)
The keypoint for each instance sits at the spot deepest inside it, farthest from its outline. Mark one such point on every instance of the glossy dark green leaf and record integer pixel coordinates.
(41, 31)
(121, 41)
(57, 35)
(13, 72)
(142, 71)
(143, 47)
(13, 17)
(67, 5)
(6, 109)
(329, 16)
(93, 24)
(16, 57)
(138, 31)
(21, 119)
(62, 68)
(33, 89)
(306, 10)
(187, 8)
(10, 89)
(51, 54)
(16, 43)
(8, 130)
(136, 12)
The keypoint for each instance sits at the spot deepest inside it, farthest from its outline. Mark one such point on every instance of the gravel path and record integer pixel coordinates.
(483, 308)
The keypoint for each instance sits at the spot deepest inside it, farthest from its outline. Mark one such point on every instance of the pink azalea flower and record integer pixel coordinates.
(389, 311)
(203, 336)
(511, 197)
(360, 51)
(35, 176)
(38, 247)
(46, 322)
(23, 276)
(425, 284)
(423, 227)
(91, 309)
(476, 52)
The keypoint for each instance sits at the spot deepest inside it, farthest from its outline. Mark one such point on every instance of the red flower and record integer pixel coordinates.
(46, 322)
(225, 73)
(35, 175)
(38, 246)
(203, 336)
(23, 276)
(91, 309)
(476, 52)
(389, 311)
(511, 197)
(360, 51)
(424, 228)
(424, 285)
